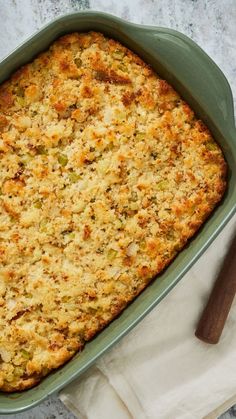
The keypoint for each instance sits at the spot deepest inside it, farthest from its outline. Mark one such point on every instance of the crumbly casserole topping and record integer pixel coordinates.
(105, 173)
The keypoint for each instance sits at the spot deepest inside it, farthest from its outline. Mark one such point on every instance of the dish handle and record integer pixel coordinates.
(193, 69)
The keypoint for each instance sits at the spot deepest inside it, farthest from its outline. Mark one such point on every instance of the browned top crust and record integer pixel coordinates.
(105, 174)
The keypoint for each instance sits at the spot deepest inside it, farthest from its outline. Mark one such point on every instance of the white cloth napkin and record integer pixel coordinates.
(161, 370)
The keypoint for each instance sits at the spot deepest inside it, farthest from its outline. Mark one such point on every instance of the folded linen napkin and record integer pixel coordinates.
(161, 370)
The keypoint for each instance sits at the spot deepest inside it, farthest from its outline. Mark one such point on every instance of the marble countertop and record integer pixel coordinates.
(210, 23)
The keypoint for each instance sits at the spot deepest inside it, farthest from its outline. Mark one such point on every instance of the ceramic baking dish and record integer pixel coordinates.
(201, 83)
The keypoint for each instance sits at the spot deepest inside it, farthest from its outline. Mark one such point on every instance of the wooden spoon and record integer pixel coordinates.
(214, 316)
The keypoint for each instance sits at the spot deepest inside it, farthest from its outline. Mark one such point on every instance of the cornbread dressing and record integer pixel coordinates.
(105, 175)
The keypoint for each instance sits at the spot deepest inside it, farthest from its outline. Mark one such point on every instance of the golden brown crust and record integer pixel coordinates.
(105, 175)
(20, 385)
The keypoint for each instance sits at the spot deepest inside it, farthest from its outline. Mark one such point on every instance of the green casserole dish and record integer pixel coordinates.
(200, 82)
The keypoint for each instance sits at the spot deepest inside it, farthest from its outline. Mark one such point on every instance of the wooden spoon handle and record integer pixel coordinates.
(214, 316)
